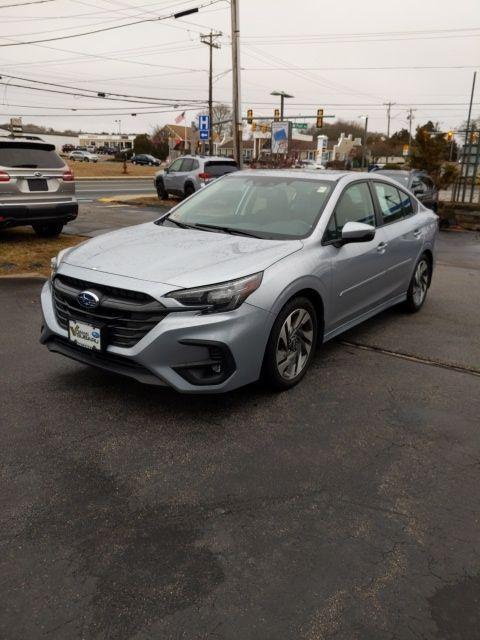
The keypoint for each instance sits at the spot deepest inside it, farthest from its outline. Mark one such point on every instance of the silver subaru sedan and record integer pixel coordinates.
(242, 280)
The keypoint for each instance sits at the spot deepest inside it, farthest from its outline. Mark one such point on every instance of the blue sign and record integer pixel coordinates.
(204, 123)
(204, 134)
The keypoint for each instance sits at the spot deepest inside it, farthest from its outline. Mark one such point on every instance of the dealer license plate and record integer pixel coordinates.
(85, 335)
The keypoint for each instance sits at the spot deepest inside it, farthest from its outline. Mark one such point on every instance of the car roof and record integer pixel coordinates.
(329, 175)
(207, 158)
(33, 139)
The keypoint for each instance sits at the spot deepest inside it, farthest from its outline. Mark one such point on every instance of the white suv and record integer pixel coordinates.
(188, 174)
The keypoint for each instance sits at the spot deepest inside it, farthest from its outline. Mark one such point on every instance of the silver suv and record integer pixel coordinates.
(83, 156)
(36, 186)
(188, 174)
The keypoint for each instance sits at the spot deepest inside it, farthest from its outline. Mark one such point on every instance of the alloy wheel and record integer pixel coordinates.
(294, 344)
(420, 282)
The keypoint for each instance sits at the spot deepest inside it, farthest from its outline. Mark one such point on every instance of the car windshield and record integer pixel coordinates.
(29, 155)
(263, 206)
(401, 178)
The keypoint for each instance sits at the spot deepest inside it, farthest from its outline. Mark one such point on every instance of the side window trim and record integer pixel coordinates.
(325, 241)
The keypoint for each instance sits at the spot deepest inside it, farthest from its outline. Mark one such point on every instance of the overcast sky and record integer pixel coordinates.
(316, 50)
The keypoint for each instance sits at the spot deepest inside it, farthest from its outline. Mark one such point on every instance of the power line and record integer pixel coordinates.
(109, 95)
(23, 4)
(413, 67)
(111, 28)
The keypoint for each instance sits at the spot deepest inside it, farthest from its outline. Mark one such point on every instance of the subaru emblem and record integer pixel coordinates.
(88, 299)
(37, 174)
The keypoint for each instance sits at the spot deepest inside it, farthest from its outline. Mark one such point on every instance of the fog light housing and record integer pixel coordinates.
(219, 366)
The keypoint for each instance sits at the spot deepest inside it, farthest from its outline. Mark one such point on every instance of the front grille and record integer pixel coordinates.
(127, 315)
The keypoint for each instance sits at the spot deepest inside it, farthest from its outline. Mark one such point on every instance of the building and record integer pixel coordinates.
(57, 140)
(346, 148)
(258, 147)
(180, 139)
(116, 141)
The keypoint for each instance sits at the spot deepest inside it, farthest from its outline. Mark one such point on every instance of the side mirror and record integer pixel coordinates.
(357, 232)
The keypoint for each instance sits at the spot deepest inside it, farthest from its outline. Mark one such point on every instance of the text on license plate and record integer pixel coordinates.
(85, 335)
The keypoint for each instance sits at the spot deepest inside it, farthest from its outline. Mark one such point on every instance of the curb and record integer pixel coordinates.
(24, 276)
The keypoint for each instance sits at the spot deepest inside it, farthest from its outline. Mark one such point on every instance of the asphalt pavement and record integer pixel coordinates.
(91, 190)
(346, 508)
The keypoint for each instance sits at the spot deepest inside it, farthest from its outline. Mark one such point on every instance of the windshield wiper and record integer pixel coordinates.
(230, 230)
(182, 225)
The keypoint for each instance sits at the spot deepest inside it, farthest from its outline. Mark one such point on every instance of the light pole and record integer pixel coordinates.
(119, 122)
(282, 95)
(364, 145)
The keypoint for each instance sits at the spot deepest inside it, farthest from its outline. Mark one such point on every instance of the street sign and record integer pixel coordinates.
(300, 125)
(204, 123)
(204, 134)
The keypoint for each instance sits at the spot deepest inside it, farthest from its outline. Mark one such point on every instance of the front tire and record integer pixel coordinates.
(291, 345)
(419, 284)
(48, 229)
(161, 191)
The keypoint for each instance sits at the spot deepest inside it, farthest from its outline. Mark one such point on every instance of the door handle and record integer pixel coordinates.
(417, 233)
(382, 247)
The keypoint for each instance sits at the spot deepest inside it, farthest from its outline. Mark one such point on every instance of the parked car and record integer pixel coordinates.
(418, 182)
(188, 174)
(145, 159)
(311, 164)
(241, 280)
(83, 156)
(66, 148)
(37, 188)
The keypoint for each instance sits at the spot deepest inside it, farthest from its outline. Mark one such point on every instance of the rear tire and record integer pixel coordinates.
(189, 189)
(291, 345)
(419, 284)
(48, 229)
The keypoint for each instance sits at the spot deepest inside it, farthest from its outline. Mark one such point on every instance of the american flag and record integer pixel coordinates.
(180, 118)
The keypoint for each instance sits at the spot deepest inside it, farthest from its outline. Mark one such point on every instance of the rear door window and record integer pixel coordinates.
(187, 164)
(218, 168)
(390, 202)
(29, 156)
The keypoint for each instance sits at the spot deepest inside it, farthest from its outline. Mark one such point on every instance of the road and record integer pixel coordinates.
(346, 508)
(90, 190)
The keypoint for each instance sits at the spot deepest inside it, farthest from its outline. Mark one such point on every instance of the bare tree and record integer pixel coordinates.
(222, 114)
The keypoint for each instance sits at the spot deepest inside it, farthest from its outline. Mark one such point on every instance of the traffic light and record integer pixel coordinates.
(319, 118)
(250, 116)
(450, 136)
(474, 137)
(276, 115)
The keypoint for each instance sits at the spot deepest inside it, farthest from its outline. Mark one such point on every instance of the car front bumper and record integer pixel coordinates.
(180, 349)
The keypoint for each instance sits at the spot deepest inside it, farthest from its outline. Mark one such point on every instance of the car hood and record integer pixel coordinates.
(178, 257)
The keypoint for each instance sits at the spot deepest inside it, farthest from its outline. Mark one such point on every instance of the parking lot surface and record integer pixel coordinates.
(346, 508)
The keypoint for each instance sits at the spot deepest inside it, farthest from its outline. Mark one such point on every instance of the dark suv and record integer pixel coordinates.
(37, 188)
(418, 182)
(146, 159)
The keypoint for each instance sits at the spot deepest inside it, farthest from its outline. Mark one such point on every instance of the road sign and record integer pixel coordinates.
(204, 123)
(16, 126)
(204, 134)
(300, 125)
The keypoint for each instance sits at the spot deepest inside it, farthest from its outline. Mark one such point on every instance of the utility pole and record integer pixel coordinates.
(464, 163)
(364, 145)
(389, 106)
(209, 40)
(410, 120)
(236, 84)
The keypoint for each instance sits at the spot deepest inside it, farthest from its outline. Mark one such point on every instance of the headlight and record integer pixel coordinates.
(219, 297)
(55, 262)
